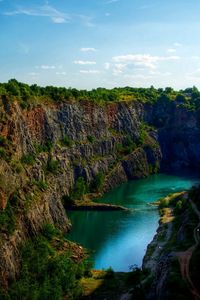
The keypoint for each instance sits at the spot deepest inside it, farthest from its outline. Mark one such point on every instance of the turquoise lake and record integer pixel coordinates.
(119, 238)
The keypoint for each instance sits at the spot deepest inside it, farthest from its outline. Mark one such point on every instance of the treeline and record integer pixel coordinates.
(189, 97)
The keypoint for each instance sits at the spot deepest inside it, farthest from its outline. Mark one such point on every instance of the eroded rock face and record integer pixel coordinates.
(98, 143)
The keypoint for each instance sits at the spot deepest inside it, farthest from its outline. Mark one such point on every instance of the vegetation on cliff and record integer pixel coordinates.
(190, 97)
(51, 268)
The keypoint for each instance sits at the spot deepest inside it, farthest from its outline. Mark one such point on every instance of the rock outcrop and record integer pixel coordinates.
(44, 149)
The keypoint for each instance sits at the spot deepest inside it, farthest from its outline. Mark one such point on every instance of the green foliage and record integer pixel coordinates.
(180, 206)
(98, 182)
(67, 141)
(49, 231)
(53, 166)
(28, 159)
(80, 189)
(27, 95)
(7, 219)
(43, 186)
(91, 138)
(46, 273)
(46, 147)
(17, 166)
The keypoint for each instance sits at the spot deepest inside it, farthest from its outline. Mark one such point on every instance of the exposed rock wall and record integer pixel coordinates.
(98, 136)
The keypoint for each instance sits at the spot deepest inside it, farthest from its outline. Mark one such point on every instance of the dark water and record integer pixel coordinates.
(119, 239)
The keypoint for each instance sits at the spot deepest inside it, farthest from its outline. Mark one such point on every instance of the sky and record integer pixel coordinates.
(101, 43)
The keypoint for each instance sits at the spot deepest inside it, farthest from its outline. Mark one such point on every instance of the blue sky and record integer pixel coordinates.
(91, 43)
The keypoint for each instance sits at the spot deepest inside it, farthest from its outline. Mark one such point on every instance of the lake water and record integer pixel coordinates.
(119, 238)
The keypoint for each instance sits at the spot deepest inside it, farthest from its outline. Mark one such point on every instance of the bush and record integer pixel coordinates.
(67, 141)
(98, 182)
(46, 273)
(91, 138)
(80, 189)
(52, 166)
(7, 219)
(43, 186)
(46, 147)
(49, 231)
(28, 159)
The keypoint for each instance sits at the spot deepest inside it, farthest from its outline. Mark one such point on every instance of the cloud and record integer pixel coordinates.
(89, 71)
(51, 12)
(84, 62)
(144, 60)
(61, 73)
(88, 49)
(171, 50)
(107, 14)
(46, 67)
(42, 11)
(118, 69)
(195, 74)
(107, 66)
(177, 44)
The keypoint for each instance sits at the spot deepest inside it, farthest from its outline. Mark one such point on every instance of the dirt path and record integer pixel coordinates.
(185, 257)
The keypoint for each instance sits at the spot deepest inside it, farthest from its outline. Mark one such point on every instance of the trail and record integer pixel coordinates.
(185, 257)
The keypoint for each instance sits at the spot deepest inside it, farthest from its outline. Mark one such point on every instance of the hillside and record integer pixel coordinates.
(56, 145)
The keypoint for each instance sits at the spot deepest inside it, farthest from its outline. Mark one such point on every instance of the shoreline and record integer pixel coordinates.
(97, 207)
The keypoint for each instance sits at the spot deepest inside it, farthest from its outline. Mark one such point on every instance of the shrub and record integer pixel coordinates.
(91, 138)
(28, 159)
(98, 182)
(49, 231)
(67, 141)
(7, 219)
(52, 166)
(46, 147)
(43, 186)
(80, 188)
(45, 273)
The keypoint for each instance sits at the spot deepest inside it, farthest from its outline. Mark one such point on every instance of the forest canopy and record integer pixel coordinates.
(27, 94)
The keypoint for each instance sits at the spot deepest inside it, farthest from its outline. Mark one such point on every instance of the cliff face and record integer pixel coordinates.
(46, 148)
(178, 134)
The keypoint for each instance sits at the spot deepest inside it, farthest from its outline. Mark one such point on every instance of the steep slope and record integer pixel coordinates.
(44, 150)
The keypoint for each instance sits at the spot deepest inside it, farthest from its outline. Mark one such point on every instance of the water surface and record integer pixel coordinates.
(118, 238)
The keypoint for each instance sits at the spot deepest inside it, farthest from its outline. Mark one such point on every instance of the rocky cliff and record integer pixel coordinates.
(44, 149)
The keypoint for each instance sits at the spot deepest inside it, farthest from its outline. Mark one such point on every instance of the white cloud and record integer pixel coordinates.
(42, 11)
(54, 14)
(88, 49)
(61, 73)
(144, 60)
(152, 72)
(84, 62)
(195, 74)
(177, 44)
(45, 67)
(89, 71)
(118, 69)
(171, 50)
(107, 66)
(138, 76)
